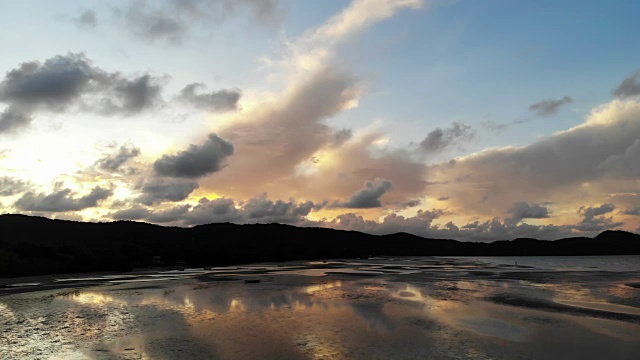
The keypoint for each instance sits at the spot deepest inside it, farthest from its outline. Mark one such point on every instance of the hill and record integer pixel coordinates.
(35, 245)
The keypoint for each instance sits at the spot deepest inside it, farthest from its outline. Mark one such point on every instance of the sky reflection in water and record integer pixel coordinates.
(427, 314)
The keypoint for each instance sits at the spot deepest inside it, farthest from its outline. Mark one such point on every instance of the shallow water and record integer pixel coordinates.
(411, 308)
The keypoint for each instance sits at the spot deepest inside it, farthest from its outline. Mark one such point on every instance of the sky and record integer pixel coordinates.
(470, 120)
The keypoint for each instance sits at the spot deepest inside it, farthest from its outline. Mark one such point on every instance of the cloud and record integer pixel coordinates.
(113, 162)
(209, 211)
(287, 140)
(591, 212)
(86, 20)
(524, 210)
(53, 85)
(172, 20)
(593, 221)
(440, 139)
(10, 186)
(369, 195)
(169, 215)
(133, 213)
(262, 210)
(197, 160)
(549, 106)
(157, 190)
(136, 212)
(422, 224)
(628, 161)
(410, 203)
(595, 158)
(259, 209)
(61, 200)
(153, 24)
(629, 86)
(635, 211)
(495, 127)
(221, 100)
(342, 136)
(72, 81)
(275, 139)
(255, 210)
(359, 15)
(132, 96)
(13, 120)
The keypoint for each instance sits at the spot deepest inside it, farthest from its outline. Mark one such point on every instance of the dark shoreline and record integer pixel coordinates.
(40, 246)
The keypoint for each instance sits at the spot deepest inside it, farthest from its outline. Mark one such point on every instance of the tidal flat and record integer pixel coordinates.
(380, 308)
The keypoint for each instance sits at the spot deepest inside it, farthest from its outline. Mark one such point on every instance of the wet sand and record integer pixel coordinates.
(409, 308)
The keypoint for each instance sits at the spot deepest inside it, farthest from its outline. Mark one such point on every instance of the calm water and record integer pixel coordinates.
(584, 263)
(419, 308)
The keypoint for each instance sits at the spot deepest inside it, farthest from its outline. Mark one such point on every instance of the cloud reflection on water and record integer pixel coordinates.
(434, 313)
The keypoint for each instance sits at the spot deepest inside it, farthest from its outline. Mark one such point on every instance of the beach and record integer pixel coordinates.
(378, 308)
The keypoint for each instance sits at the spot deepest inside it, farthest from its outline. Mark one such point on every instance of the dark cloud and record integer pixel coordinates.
(133, 213)
(411, 203)
(440, 139)
(197, 160)
(625, 162)
(172, 20)
(131, 96)
(593, 221)
(392, 223)
(341, 136)
(158, 216)
(629, 86)
(255, 210)
(260, 209)
(169, 215)
(13, 121)
(86, 20)
(263, 210)
(549, 106)
(54, 84)
(114, 161)
(10, 186)
(72, 81)
(369, 195)
(221, 100)
(157, 190)
(61, 200)
(591, 212)
(524, 210)
(443, 198)
(210, 211)
(635, 211)
(422, 225)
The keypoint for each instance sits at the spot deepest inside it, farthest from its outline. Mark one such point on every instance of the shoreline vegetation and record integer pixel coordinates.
(32, 245)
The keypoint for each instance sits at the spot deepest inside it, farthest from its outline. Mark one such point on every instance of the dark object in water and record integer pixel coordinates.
(252, 281)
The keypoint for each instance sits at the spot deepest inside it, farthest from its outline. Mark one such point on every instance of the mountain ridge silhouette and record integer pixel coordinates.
(31, 245)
